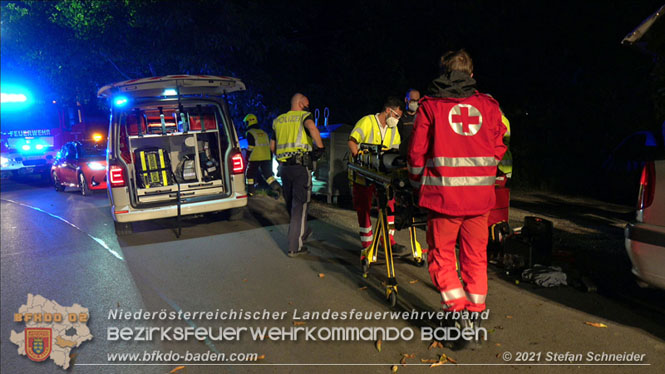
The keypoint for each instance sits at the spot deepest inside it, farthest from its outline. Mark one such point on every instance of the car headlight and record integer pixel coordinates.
(96, 166)
(4, 161)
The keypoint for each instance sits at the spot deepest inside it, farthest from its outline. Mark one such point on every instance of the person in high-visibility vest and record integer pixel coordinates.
(258, 156)
(294, 137)
(506, 164)
(379, 128)
(456, 145)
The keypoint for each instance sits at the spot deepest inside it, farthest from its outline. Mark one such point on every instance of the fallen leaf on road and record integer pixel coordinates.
(362, 288)
(244, 280)
(394, 368)
(403, 361)
(435, 344)
(299, 323)
(321, 275)
(176, 369)
(290, 302)
(262, 357)
(439, 363)
(427, 361)
(595, 324)
(509, 317)
(498, 344)
(413, 281)
(451, 360)
(412, 355)
(378, 345)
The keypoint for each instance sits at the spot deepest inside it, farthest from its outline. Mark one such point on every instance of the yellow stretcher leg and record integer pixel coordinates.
(381, 235)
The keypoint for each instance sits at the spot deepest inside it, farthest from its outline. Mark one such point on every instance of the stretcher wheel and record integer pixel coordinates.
(365, 266)
(392, 298)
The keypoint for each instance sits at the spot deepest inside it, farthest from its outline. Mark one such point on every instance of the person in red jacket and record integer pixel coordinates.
(456, 145)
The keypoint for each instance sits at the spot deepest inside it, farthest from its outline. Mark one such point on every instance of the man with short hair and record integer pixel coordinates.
(294, 135)
(379, 128)
(456, 144)
(405, 125)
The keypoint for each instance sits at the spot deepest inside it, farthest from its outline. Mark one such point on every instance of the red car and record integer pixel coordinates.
(80, 164)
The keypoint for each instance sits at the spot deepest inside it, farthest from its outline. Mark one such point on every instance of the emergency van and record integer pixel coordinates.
(172, 148)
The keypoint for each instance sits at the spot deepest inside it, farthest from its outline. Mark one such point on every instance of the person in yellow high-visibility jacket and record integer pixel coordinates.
(259, 156)
(379, 128)
(506, 163)
(296, 143)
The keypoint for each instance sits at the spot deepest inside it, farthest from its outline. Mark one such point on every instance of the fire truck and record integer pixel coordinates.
(34, 128)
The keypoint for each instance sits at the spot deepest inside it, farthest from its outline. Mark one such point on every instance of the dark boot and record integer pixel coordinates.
(277, 189)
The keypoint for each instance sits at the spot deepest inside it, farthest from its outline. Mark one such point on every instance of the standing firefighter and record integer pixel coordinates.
(258, 156)
(453, 156)
(379, 128)
(293, 134)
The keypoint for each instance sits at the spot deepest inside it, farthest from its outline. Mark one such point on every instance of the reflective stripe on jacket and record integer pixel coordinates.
(368, 131)
(455, 147)
(261, 148)
(290, 135)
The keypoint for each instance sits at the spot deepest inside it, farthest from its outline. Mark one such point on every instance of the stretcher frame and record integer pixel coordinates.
(385, 191)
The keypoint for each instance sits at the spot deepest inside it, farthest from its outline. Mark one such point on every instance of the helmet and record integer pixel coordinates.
(250, 120)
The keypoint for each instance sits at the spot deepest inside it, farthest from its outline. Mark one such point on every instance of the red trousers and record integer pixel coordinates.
(442, 234)
(362, 203)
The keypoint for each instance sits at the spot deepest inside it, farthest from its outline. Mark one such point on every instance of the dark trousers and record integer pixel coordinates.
(297, 185)
(264, 167)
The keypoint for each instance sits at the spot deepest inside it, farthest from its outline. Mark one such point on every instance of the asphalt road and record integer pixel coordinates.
(62, 246)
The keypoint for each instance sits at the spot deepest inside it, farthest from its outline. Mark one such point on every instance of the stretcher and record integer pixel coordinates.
(378, 167)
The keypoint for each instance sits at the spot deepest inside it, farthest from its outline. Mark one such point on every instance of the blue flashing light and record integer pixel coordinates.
(39, 147)
(12, 98)
(170, 92)
(25, 147)
(120, 101)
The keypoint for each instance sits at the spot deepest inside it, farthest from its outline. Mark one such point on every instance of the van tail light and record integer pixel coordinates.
(647, 186)
(117, 176)
(237, 163)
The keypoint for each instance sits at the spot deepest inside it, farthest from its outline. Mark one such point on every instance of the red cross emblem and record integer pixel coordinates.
(465, 119)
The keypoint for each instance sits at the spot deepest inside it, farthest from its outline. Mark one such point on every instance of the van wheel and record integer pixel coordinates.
(123, 228)
(85, 190)
(56, 183)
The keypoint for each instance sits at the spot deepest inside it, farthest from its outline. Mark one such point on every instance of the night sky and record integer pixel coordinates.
(571, 91)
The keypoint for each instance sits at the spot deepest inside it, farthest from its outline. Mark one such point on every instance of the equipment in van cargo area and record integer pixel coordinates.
(161, 122)
(153, 167)
(186, 171)
(177, 151)
(196, 117)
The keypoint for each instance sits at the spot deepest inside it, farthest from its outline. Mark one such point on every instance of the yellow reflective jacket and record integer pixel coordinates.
(506, 164)
(368, 131)
(290, 135)
(261, 148)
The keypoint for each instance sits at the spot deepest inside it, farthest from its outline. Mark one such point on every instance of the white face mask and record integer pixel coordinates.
(391, 121)
(413, 106)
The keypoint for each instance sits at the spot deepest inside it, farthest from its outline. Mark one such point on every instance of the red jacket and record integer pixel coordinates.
(455, 148)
